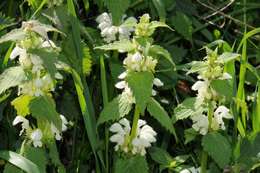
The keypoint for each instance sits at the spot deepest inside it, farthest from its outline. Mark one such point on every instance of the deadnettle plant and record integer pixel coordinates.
(137, 83)
(35, 76)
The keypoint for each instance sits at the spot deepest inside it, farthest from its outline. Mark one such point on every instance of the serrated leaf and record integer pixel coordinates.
(129, 22)
(49, 59)
(197, 66)
(155, 24)
(160, 156)
(222, 87)
(14, 35)
(121, 45)
(218, 147)
(43, 107)
(37, 155)
(114, 110)
(189, 134)
(183, 25)
(157, 111)
(117, 8)
(185, 109)
(136, 164)
(228, 56)
(19, 161)
(21, 104)
(141, 84)
(11, 77)
(156, 49)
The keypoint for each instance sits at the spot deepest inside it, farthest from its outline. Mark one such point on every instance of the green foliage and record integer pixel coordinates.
(157, 111)
(223, 87)
(19, 161)
(21, 104)
(155, 49)
(5, 21)
(14, 35)
(218, 147)
(11, 77)
(141, 84)
(122, 46)
(117, 10)
(185, 109)
(135, 164)
(43, 107)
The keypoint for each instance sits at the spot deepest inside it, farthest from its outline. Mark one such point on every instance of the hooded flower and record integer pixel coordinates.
(200, 123)
(145, 136)
(122, 131)
(220, 113)
(36, 137)
(25, 123)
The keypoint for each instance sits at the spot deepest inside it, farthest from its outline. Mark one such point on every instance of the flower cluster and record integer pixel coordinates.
(109, 32)
(39, 81)
(144, 137)
(213, 70)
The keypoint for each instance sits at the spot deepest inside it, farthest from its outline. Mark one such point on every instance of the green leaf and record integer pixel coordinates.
(19, 161)
(114, 110)
(21, 104)
(189, 134)
(155, 24)
(141, 84)
(228, 56)
(185, 109)
(37, 155)
(136, 164)
(160, 156)
(14, 35)
(156, 49)
(218, 147)
(49, 59)
(159, 5)
(183, 25)
(11, 77)
(54, 156)
(121, 45)
(157, 111)
(222, 87)
(43, 107)
(197, 66)
(117, 8)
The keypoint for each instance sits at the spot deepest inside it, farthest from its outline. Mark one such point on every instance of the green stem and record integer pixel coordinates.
(105, 102)
(135, 123)
(204, 160)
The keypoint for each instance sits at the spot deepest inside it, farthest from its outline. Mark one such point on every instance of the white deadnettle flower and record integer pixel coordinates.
(109, 32)
(220, 113)
(36, 137)
(157, 82)
(200, 123)
(202, 87)
(122, 131)
(37, 63)
(25, 123)
(133, 61)
(165, 101)
(64, 127)
(226, 76)
(23, 56)
(149, 64)
(191, 170)
(145, 136)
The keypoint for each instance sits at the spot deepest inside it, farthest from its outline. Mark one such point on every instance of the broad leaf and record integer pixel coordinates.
(157, 111)
(185, 109)
(218, 147)
(14, 35)
(122, 46)
(183, 25)
(141, 84)
(189, 134)
(228, 56)
(156, 49)
(223, 87)
(21, 104)
(43, 107)
(20, 161)
(115, 109)
(136, 164)
(11, 77)
(160, 156)
(160, 7)
(117, 8)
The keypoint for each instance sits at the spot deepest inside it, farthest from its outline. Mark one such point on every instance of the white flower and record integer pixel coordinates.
(226, 76)
(203, 93)
(121, 85)
(25, 123)
(64, 123)
(122, 131)
(154, 92)
(133, 61)
(157, 82)
(200, 123)
(149, 64)
(37, 63)
(17, 51)
(36, 137)
(191, 170)
(165, 101)
(220, 113)
(145, 136)
(122, 75)
(55, 132)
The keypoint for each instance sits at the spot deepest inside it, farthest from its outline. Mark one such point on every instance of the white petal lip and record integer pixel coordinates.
(16, 52)
(199, 84)
(120, 85)
(36, 137)
(122, 75)
(157, 82)
(64, 122)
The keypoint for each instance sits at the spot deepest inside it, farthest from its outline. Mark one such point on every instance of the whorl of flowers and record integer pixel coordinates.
(143, 139)
(39, 82)
(212, 70)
